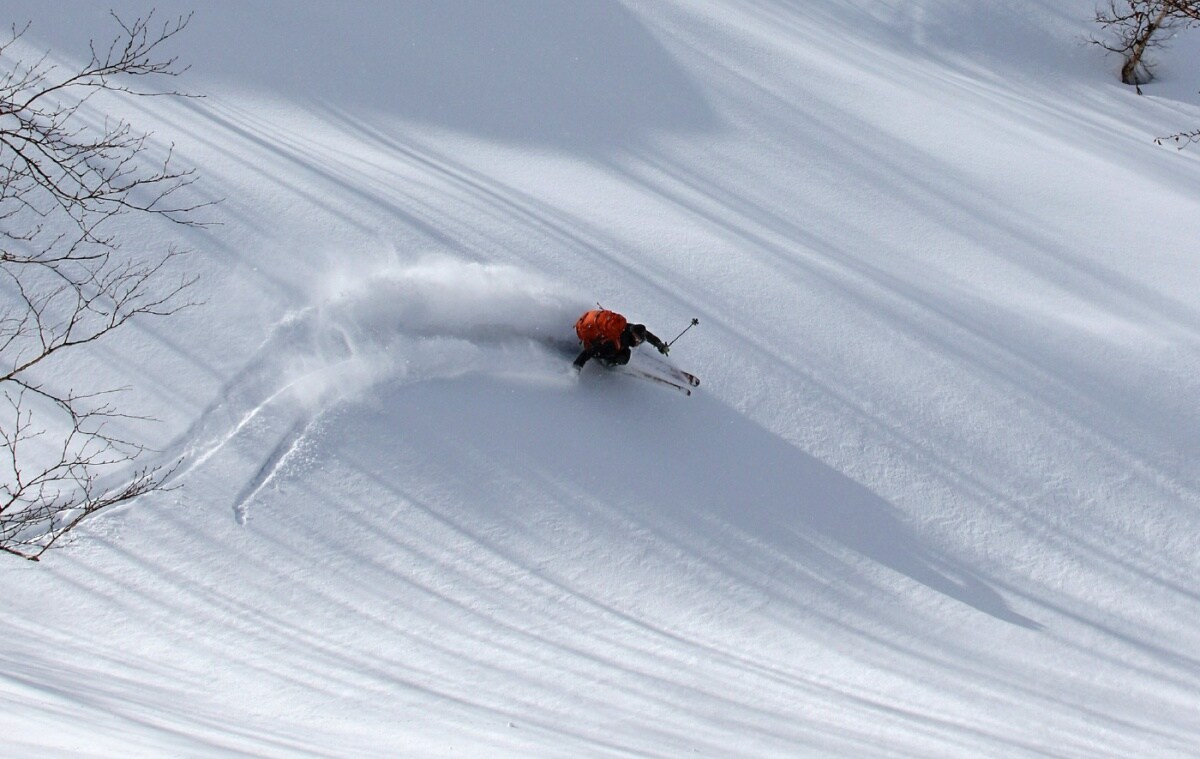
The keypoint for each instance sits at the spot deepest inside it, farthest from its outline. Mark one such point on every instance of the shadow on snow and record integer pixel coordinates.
(696, 473)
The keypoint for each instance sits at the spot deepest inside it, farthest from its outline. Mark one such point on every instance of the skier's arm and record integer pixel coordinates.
(583, 357)
(656, 342)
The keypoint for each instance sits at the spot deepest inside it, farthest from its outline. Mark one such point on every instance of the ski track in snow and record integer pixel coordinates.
(275, 461)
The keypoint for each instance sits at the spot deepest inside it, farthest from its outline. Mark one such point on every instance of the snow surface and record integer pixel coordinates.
(937, 497)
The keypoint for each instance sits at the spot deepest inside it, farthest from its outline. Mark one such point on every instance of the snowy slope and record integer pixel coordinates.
(937, 497)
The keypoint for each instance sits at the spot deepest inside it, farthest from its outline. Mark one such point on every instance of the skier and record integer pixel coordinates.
(610, 337)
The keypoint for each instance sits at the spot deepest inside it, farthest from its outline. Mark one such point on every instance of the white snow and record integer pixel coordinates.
(938, 495)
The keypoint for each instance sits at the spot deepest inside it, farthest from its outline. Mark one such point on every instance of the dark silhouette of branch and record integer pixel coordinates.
(1180, 139)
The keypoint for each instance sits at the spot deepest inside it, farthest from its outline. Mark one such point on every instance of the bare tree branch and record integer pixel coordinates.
(1180, 139)
(65, 281)
(1136, 26)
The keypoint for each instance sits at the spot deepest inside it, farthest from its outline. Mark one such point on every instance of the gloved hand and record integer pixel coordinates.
(664, 349)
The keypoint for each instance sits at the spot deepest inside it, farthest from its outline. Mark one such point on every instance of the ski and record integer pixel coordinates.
(688, 377)
(676, 374)
(633, 371)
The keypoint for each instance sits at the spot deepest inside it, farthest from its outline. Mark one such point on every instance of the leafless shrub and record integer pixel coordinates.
(65, 280)
(1135, 26)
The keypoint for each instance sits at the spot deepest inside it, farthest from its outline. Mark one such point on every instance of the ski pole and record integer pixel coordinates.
(685, 329)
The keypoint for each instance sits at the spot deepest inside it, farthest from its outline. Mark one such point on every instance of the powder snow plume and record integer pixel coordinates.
(433, 319)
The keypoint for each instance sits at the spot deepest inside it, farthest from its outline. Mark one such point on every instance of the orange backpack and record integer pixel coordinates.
(596, 327)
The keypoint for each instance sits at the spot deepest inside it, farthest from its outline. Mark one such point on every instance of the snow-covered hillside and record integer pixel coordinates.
(938, 495)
